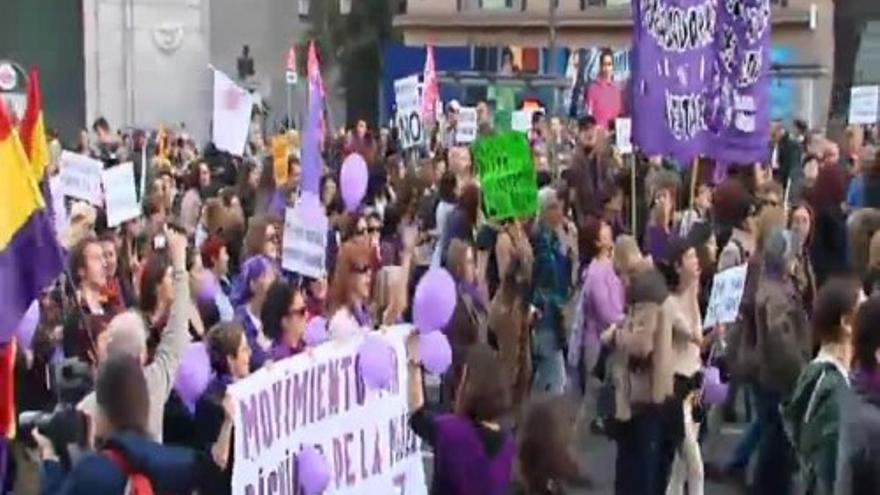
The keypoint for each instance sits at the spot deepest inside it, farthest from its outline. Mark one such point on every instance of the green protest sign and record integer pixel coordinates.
(507, 176)
(503, 120)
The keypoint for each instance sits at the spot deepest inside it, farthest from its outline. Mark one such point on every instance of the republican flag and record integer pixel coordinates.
(313, 131)
(30, 257)
(430, 90)
(33, 130)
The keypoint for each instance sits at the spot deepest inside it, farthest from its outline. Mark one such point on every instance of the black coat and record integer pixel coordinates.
(858, 457)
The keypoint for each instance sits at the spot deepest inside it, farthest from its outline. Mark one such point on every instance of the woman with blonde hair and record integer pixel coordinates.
(263, 237)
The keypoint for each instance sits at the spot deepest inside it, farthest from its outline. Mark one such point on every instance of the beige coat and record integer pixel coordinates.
(642, 364)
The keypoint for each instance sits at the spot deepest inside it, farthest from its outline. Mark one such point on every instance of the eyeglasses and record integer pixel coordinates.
(373, 230)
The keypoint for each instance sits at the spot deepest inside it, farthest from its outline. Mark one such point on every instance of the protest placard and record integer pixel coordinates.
(59, 209)
(81, 177)
(507, 176)
(623, 135)
(319, 399)
(466, 130)
(119, 194)
(864, 103)
(727, 292)
(521, 120)
(305, 240)
(409, 111)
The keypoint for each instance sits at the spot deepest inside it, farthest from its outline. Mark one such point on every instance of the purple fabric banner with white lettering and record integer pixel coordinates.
(741, 122)
(672, 67)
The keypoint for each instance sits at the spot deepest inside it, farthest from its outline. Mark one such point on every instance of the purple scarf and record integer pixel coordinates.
(281, 350)
(869, 381)
(473, 290)
(362, 315)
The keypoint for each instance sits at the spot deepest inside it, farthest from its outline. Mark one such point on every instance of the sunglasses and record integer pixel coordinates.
(300, 312)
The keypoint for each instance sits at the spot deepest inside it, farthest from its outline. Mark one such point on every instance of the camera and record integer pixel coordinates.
(65, 426)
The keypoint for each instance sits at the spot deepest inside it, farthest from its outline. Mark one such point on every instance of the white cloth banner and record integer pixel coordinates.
(318, 399)
(119, 194)
(466, 130)
(232, 114)
(864, 103)
(727, 292)
(81, 177)
(305, 240)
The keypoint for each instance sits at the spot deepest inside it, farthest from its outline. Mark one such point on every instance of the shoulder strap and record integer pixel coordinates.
(138, 483)
(743, 255)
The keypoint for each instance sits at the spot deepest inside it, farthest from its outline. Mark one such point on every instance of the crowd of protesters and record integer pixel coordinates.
(574, 312)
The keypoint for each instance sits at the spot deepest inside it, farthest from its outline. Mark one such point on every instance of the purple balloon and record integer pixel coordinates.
(313, 470)
(435, 352)
(24, 332)
(193, 374)
(208, 287)
(316, 331)
(353, 181)
(714, 390)
(434, 301)
(375, 361)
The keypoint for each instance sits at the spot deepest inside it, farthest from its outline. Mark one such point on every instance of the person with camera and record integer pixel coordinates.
(127, 335)
(127, 460)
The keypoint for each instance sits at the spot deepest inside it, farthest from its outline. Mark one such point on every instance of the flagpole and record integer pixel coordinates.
(289, 107)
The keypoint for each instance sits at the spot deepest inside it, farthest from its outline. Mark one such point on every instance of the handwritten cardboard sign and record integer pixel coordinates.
(81, 177)
(727, 292)
(120, 194)
(305, 240)
(507, 175)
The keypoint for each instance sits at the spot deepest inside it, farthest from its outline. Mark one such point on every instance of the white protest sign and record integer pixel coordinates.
(623, 135)
(305, 240)
(59, 209)
(727, 292)
(521, 120)
(466, 130)
(120, 196)
(864, 103)
(409, 110)
(319, 399)
(232, 114)
(81, 177)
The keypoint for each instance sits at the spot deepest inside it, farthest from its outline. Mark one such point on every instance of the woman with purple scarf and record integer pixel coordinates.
(473, 453)
(468, 324)
(284, 319)
(249, 294)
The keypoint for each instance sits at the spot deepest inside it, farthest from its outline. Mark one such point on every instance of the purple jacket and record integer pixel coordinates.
(462, 466)
(603, 299)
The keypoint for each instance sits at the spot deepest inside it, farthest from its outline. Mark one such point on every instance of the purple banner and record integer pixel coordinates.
(672, 64)
(741, 85)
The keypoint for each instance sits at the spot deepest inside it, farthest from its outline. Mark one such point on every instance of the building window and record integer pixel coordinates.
(474, 5)
(303, 7)
(593, 3)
